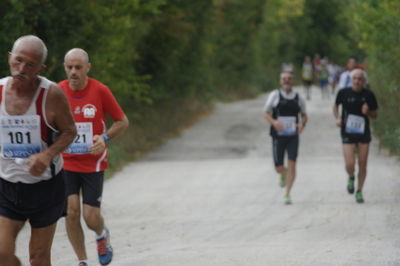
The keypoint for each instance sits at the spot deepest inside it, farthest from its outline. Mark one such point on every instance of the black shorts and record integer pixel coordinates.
(41, 203)
(282, 144)
(90, 183)
(354, 138)
(307, 83)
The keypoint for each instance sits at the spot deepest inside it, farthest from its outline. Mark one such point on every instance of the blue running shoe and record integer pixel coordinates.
(104, 249)
(82, 263)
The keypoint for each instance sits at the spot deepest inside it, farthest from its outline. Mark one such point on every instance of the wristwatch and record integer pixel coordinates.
(106, 138)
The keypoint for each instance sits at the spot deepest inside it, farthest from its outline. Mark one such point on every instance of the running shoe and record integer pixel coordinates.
(287, 200)
(82, 263)
(104, 249)
(359, 197)
(350, 185)
(282, 180)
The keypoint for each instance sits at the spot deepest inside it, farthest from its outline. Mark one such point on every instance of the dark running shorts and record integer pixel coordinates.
(307, 83)
(352, 139)
(282, 144)
(41, 203)
(90, 183)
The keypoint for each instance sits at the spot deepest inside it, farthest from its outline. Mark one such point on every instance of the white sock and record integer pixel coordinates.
(86, 261)
(103, 234)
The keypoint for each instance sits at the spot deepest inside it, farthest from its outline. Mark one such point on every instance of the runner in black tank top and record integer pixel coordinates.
(283, 111)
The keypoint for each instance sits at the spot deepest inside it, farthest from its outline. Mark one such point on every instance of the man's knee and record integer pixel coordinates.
(73, 209)
(73, 214)
(362, 167)
(39, 253)
(92, 217)
(349, 163)
(362, 163)
(279, 169)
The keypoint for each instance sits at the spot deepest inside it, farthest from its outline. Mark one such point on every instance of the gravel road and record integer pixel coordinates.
(211, 197)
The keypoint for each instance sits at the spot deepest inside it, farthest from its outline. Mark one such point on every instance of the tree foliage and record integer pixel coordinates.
(376, 25)
(162, 58)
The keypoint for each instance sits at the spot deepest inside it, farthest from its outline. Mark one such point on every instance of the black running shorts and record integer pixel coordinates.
(283, 143)
(307, 83)
(354, 138)
(90, 183)
(41, 203)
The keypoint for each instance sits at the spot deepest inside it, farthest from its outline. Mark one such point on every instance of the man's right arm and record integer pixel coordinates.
(336, 115)
(59, 116)
(274, 122)
(268, 111)
(117, 127)
(338, 101)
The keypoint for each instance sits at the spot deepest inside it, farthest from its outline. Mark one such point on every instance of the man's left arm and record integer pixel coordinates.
(100, 141)
(120, 121)
(370, 108)
(117, 127)
(303, 115)
(373, 114)
(302, 125)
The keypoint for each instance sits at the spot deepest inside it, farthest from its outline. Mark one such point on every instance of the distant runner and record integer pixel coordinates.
(283, 111)
(358, 105)
(307, 76)
(323, 78)
(345, 79)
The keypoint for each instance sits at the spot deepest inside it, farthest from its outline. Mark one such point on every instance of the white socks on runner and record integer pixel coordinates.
(103, 234)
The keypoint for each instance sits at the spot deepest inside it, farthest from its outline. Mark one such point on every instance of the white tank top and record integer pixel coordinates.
(15, 169)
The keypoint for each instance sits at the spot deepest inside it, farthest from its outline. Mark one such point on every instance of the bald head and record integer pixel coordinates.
(77, 53)
(34, 43)
(77, 66)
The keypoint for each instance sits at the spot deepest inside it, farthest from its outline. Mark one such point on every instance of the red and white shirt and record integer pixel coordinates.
(89, 108)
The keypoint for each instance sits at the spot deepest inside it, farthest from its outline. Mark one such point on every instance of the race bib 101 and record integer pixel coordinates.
(355, 124)
(20, 136)
(83, 140)
(289, 125)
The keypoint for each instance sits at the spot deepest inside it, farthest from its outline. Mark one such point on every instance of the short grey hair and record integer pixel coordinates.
(357, 70)
(36, 43)
(83, 54)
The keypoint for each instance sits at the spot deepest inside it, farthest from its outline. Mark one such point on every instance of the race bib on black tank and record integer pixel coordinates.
(20, 136)
(355, 124)
(289, 125)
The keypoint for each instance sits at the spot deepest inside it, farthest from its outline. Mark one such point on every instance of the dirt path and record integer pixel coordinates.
(211, 197)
